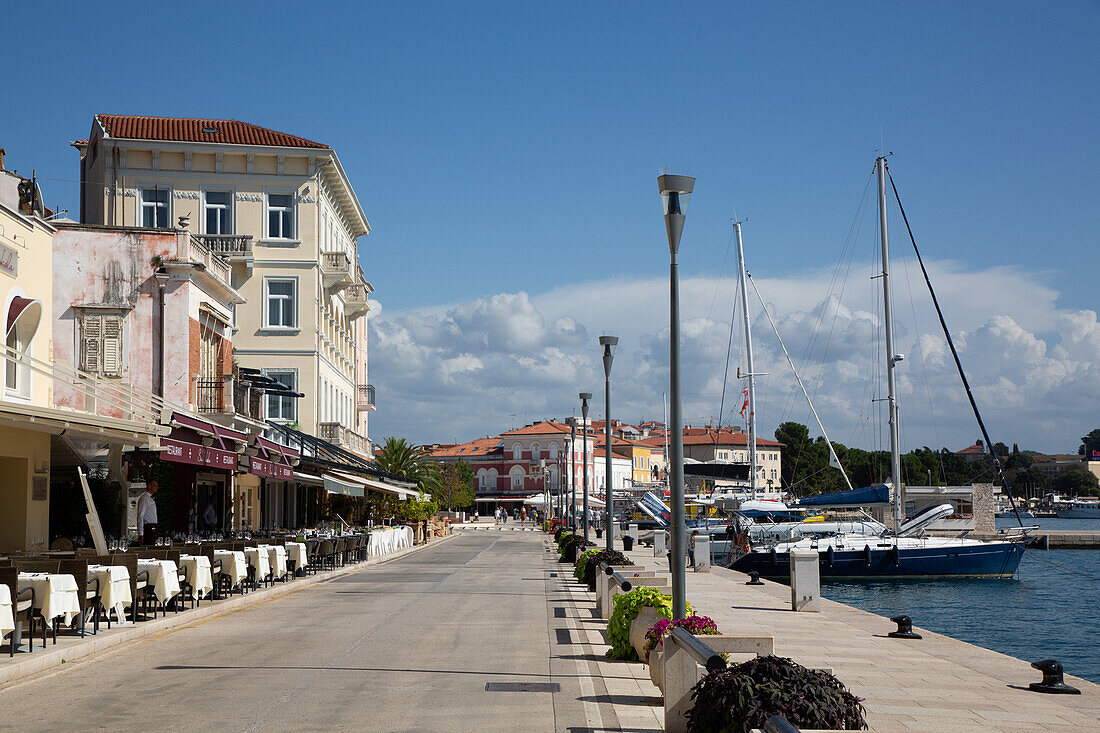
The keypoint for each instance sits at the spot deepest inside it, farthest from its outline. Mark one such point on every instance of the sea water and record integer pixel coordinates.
(1048, 611)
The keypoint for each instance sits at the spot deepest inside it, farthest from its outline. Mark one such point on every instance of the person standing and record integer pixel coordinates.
(210, 516)
(523, 516)
(147, 515)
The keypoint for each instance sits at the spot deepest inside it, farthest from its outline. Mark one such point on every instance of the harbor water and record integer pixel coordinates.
(1047, 612)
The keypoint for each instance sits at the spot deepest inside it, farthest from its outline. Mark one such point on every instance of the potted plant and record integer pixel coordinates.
(740, 698)
(648, 602)
(589, 564)
(655, 640)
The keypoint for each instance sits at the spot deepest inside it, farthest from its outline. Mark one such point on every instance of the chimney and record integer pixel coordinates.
(2, 151)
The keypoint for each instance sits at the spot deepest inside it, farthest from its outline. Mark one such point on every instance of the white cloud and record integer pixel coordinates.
(462, 371)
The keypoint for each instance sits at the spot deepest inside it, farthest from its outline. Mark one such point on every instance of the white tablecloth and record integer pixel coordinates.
(163, 577)
(276, 557)
(385, 541)
(7, 618)
(233, 564)
(54, 595)
(197, 568)
(296, 551)
(257, 559)
(114, 587)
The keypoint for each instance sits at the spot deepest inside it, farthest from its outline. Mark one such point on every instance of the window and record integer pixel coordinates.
(282, 302)
(17, 377)
(280, 216)
(154, 207)
(101, 344)
(517, 479)
(282, 407)
(517, 452)
(553, 451)
(536, 451)
(219, 212)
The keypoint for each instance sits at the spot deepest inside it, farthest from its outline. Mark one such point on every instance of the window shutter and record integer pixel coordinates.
(112, 346)
(91, 342)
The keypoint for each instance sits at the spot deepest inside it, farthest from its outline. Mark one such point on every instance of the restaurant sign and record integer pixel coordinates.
(180, 451)
(269, 469)
(9, 261)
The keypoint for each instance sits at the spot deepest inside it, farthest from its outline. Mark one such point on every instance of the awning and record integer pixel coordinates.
(86, 426)
(342, 483)
(400, 491)
(24, 312)
(308, 478)
(182, 451)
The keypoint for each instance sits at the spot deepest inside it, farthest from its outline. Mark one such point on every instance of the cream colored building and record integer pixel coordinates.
(281, 210)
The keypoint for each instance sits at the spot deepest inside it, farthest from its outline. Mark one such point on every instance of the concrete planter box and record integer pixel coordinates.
(657, 667)
(647, 616)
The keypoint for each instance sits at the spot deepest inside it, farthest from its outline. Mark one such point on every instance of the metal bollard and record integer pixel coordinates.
(754, 578)
(1052, 683)
(905, 628)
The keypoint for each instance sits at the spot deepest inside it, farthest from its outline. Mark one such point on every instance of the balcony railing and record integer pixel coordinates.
(355, 299)
(224, 394)
(344, 437)
(230, 246)
(336, 270)
(210, 395)
(366, 398)
(199, 252)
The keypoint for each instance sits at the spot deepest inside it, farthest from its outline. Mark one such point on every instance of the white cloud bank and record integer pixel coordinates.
(463, 371)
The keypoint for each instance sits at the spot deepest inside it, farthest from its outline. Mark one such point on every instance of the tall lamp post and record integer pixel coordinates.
(675, 192)
(585, 397)
(608, 343)
(572, 515)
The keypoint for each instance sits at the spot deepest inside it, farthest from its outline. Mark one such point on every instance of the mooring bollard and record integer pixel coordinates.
(905, 628)
(754, 578)
(1052, 683)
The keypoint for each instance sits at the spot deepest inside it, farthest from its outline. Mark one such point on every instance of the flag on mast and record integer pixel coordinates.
(745, 405)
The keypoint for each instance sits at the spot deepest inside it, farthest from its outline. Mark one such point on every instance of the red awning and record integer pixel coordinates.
(209, 429)
(23, 312)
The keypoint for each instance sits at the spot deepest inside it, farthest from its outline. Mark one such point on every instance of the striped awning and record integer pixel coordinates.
(342, 483)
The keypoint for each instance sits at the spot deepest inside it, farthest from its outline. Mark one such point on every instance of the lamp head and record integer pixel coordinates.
(608, 343)
(675, 194)
(585, 397)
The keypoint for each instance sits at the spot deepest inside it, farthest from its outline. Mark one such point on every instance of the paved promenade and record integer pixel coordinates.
(407, 645)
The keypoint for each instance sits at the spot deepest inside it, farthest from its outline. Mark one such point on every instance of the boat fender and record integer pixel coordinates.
(894, 556)
(829, 556)
(905, 628)
(775, 558)
(867, 555)
(1052, 679)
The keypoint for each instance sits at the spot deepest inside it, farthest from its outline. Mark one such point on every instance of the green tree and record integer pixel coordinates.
(1090, 443)
(410, 463)
(456, 489)
(1077, 480)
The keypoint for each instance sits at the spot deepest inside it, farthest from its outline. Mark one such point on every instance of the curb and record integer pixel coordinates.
(41, 661)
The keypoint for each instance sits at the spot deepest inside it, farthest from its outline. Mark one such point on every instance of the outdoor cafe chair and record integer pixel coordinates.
(40, 566)
(22, 608)
(88, 592)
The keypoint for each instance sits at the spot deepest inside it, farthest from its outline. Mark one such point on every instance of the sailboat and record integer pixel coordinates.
(901, 551)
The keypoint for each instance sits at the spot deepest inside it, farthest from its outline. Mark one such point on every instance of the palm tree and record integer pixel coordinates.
(409, 462)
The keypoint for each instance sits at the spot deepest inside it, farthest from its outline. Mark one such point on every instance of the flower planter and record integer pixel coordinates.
(657, 667)
(647, 616)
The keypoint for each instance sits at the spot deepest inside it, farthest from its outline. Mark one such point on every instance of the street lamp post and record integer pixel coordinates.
(572, 515)
(675, 192)
(608, 343)
(585, 397)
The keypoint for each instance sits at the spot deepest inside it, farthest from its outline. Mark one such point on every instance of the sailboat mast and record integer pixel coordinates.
(892, 357)
(748, 357)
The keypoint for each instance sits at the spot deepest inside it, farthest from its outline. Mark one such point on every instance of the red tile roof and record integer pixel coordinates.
(539, 428)
(479, 447)
(184, 129)
(725, 436)
(974, 450)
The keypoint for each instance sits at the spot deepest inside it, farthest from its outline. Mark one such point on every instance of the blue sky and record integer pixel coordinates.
(513, 148)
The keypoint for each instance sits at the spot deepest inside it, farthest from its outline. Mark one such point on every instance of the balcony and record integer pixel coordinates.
(355, 299)
(232, 247)
(366, 398)
(337, 434)
(227, 396)
(336, 270)
(199, 253)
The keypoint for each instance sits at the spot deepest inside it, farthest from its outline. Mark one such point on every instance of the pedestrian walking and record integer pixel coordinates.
(523, 517)
(691, 548)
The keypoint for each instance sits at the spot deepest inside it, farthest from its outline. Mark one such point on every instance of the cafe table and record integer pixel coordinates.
(296, 551)
(114, 587)
(233, 565)
(276, 557)
(258, 559)
(163, 577)
(197, 570)
(7, 618)
(55, 595)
